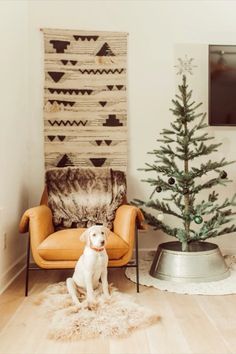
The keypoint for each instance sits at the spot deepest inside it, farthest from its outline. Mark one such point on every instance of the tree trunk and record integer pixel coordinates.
(185, 246)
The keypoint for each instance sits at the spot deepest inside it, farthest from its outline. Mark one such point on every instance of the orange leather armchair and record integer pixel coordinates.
(61, 249)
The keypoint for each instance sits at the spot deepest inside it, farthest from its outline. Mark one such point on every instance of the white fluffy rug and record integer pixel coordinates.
(222, 287)
(116, 317)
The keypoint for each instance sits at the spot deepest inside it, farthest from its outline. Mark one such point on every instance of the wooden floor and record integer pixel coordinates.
(189, 324)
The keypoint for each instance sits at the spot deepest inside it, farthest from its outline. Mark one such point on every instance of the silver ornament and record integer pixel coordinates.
(160, 217)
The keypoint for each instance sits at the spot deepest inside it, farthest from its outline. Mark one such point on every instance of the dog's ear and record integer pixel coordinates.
(84, 236)
(107, 231)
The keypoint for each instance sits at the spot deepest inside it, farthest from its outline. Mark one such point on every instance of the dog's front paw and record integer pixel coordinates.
(107, 298)
(107, 295)
(92, 305)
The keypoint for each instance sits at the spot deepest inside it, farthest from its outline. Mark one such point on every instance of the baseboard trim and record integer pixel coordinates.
(143, 251)
(12, 273)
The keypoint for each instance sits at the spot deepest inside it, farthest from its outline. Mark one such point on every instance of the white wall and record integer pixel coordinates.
(155, 28)
(14, 134)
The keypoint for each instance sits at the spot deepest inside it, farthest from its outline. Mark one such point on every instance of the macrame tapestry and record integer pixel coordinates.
(85, 100)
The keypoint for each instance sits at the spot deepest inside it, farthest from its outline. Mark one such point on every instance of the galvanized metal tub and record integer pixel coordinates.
(202, 263)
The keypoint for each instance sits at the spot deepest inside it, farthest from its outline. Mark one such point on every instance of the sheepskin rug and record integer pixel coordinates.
(117, 317)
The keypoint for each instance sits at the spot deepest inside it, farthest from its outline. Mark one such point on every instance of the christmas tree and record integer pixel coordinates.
(177, 174)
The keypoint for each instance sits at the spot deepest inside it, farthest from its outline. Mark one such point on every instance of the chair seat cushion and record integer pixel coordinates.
(65, 245)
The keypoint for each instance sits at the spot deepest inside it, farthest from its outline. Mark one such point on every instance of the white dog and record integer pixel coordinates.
(91, 266)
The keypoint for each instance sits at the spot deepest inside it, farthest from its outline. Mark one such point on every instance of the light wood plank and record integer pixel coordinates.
(10, 300)
(189, 324)
(166, 337)
(200, 334)
(135, 344)
(220, 311)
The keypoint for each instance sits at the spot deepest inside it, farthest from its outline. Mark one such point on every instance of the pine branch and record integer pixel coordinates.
(215, 233)
(200, 138)
(214, 223)
(164, 185)
(177, 199)
(167, 132)
(200, 150)
(166, 140)
(178, 233)
(167, 150)
(185, 112)
(168, 161)
(213, 197)
(227, 230)
(182, 141)
(159, 225)
(208, 167)
(177, 127)
(165, 170)
(207, 208)
(209, 184)
(203, 149)
(159, 206)
(192, 116)
(200, 125)
(204, 208)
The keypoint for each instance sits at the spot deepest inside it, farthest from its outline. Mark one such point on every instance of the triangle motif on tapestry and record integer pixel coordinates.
(65, 161)
(105, 51)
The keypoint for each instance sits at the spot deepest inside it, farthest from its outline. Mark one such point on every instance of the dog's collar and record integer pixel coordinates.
(97, 249)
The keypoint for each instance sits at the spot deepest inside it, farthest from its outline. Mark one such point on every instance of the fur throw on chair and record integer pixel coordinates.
(82, 197)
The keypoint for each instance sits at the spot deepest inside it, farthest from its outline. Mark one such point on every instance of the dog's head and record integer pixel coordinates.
(95, 236)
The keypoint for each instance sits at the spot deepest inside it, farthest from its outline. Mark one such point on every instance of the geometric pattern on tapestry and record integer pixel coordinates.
(85, 99)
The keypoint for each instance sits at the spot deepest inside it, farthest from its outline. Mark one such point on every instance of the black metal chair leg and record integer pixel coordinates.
(137, 258)
(27, 268)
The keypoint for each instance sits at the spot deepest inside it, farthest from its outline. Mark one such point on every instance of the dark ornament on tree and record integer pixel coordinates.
(171, 180)
(198, 219)
(223, 174)
(158, 189)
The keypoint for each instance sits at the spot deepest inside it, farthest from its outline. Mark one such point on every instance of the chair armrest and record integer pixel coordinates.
(38, 221)
(125, 221)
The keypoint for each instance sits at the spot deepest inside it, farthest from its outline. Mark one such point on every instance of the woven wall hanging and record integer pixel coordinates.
(85, 99)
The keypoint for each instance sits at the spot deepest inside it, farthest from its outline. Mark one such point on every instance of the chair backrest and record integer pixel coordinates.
(80, 197)
(44, 197)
